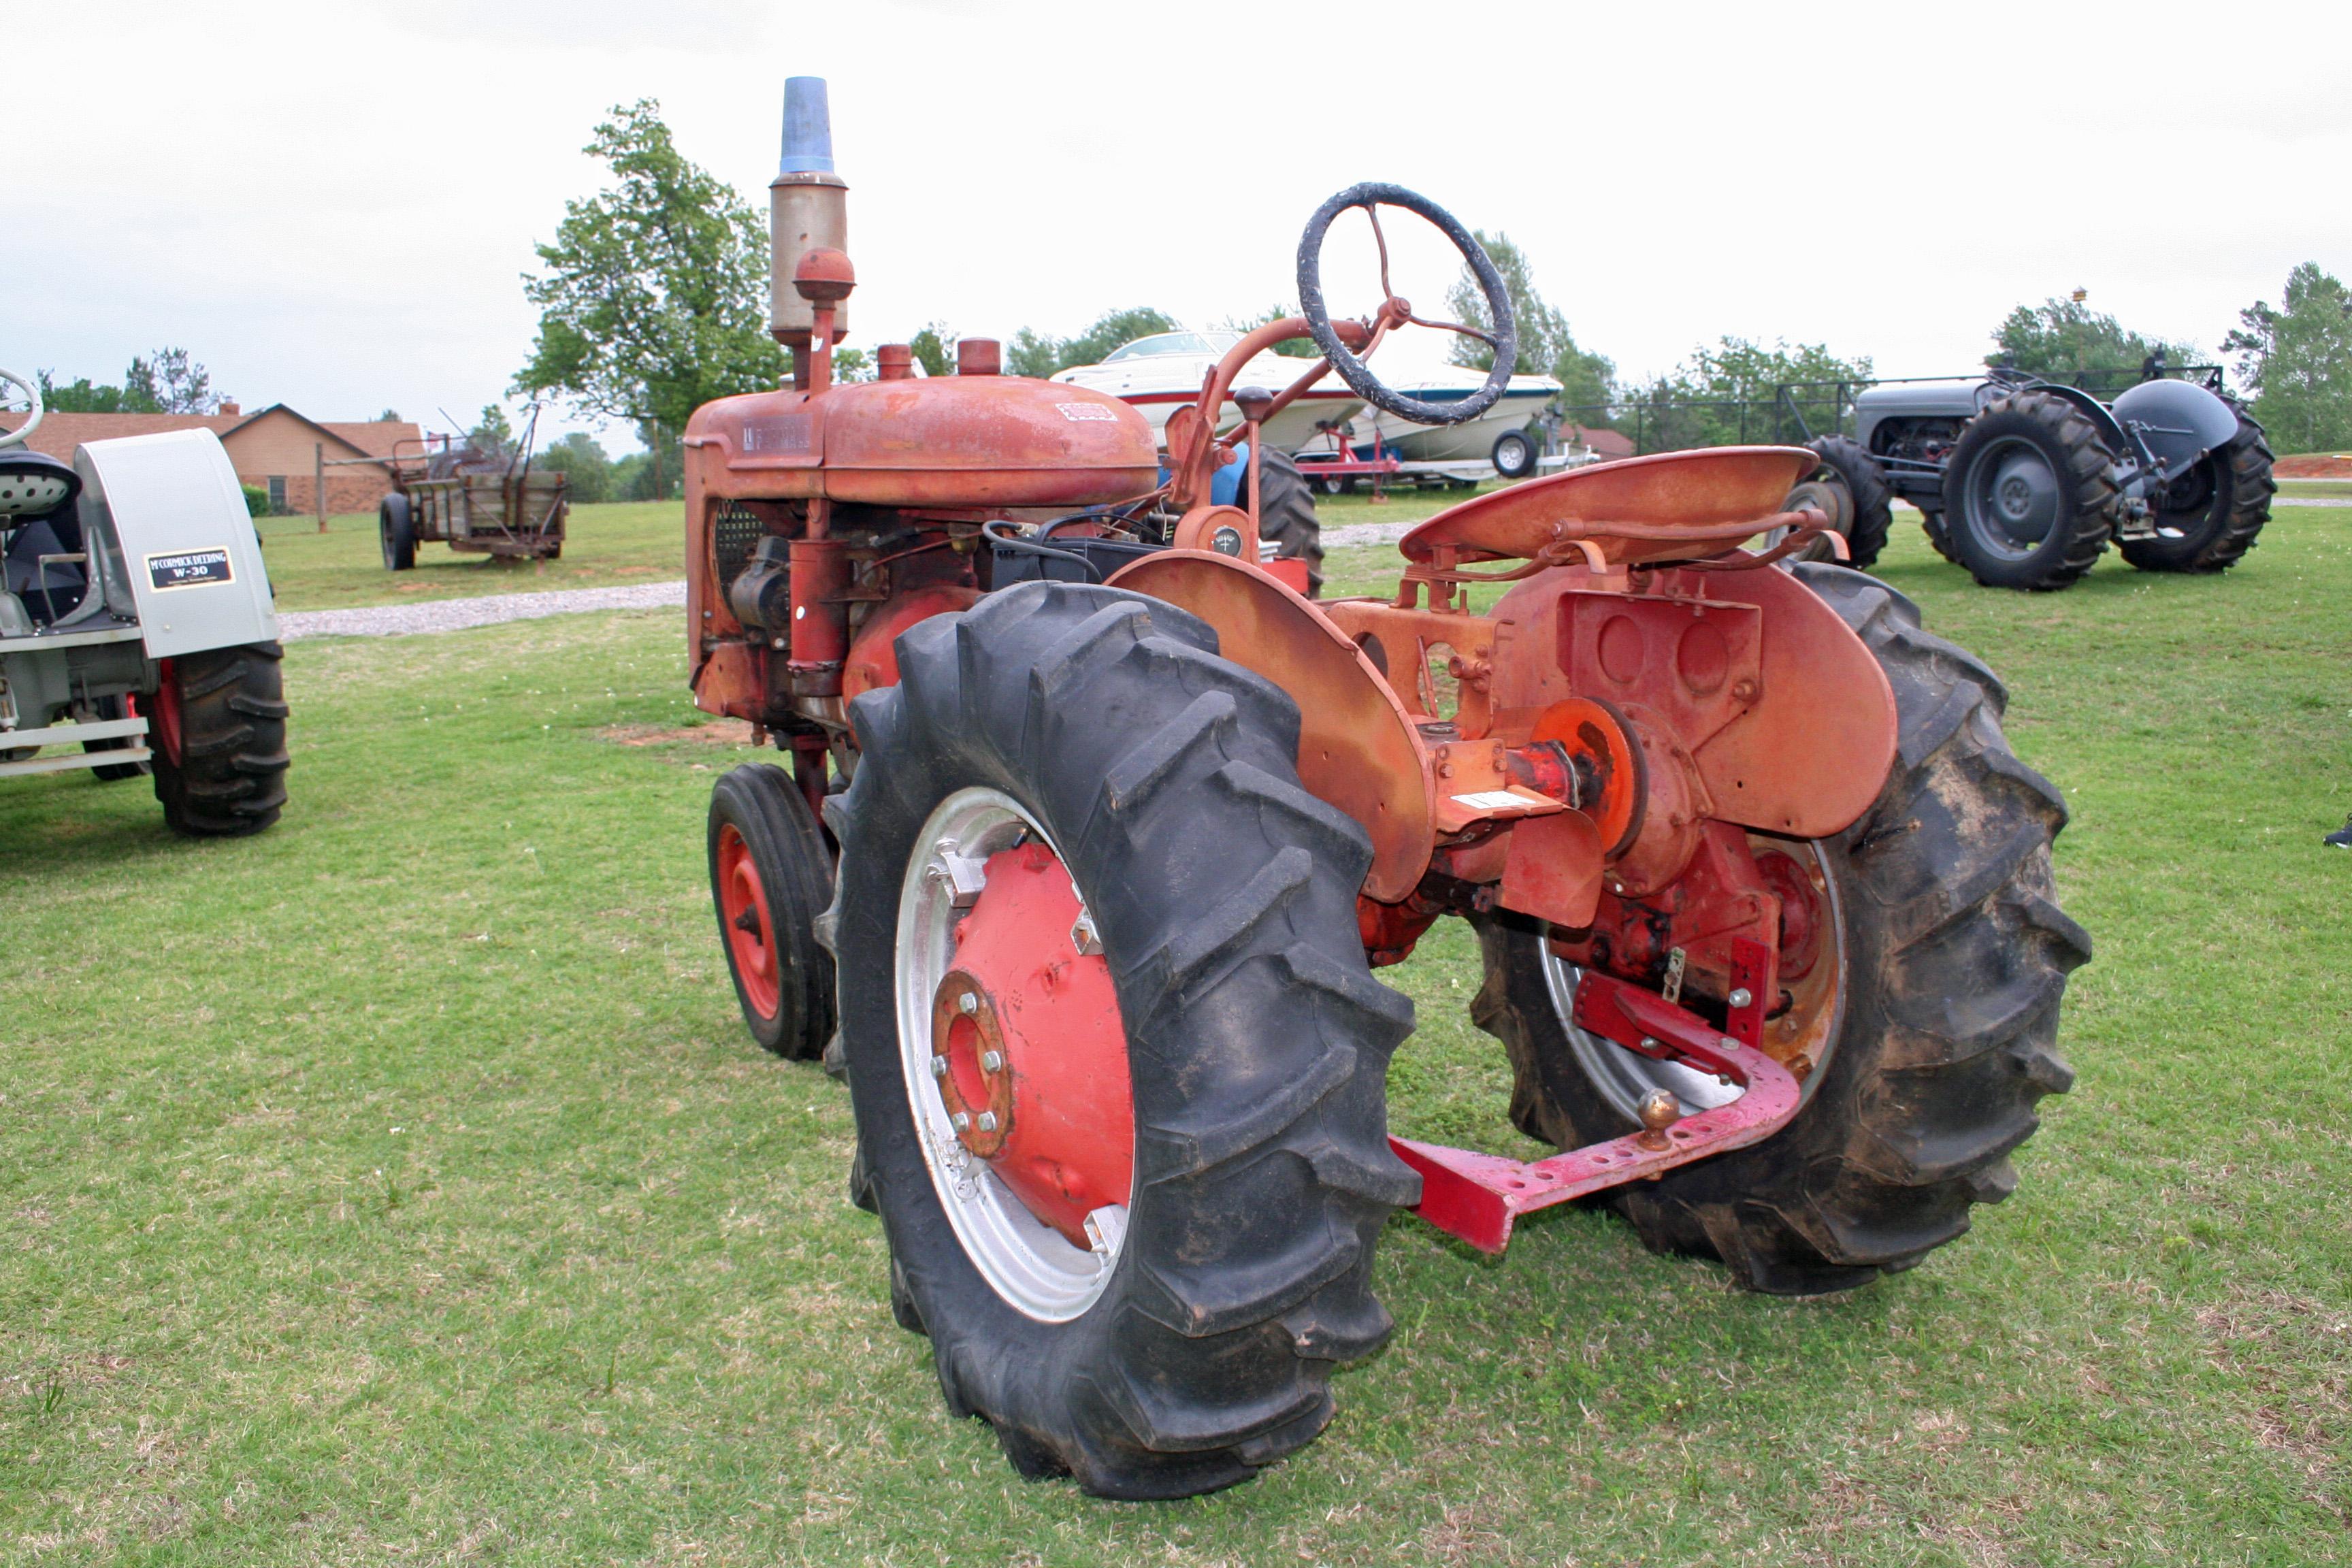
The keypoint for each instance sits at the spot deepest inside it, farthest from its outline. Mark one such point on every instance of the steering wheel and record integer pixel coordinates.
(1504, 340)
(32, 393)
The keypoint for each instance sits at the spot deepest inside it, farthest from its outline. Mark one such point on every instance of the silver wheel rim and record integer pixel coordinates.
(1622, 1077)
(1024, 1260)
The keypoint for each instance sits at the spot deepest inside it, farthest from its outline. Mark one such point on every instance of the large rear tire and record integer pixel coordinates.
(1954, 954)
(2027, 495)
(1256, 1041)
(1287, 519)
(2208, 518)
(218, 739)
(771, 877)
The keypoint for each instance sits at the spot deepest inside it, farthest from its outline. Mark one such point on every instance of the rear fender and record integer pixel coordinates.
(1785, 714)
(2177, 422)
(167, 511)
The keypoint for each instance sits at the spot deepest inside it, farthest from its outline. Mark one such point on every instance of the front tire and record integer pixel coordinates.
(2208, 516)
(1287, 517)
(1955, 956)
(771, 877)
(2027, 494)
(1163, 780)
(218, 739)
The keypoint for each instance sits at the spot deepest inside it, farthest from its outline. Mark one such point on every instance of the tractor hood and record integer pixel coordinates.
(960, 441)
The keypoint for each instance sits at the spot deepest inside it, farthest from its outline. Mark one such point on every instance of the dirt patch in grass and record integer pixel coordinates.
(718, 732)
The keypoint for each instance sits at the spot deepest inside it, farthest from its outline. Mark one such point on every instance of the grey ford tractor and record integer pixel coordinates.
(2024, 482)
(136, 629)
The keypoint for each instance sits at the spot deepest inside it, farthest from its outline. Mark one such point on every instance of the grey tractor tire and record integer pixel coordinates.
(1939, 537)
(229, 778)
(1957, 955)
(1514, 454)
(2231, 492)
(1287, 519)
(1257, 1039)
(2079, 460)
(788, 853)
(395, 527)
(1849, 462)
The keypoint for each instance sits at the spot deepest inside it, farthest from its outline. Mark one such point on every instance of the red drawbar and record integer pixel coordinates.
(1064, 1135)
(1476, 1197)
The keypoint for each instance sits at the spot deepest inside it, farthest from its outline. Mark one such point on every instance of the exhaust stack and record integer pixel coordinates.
(808, 209)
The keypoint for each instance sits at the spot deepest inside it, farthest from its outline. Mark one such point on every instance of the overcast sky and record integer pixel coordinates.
(330, 204)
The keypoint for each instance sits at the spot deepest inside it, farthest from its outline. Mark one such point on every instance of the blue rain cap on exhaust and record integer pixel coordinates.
(808, 127)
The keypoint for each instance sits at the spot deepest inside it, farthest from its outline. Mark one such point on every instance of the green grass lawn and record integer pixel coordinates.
(402, 1185)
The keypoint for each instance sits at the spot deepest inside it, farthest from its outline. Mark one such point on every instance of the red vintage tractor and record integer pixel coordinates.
(1097, 829)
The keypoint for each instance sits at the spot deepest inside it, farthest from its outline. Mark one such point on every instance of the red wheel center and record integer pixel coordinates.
(743, 903)
(1030, 1058)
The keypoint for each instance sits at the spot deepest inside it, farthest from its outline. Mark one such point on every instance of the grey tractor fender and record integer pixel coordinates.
(163, 517)
(2179, 422)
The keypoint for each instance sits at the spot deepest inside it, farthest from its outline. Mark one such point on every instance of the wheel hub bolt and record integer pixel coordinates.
(988, 1121)
(992, 1061)
(960, 1120)
(968, 1003)
(938, 1066)
(1740, 996)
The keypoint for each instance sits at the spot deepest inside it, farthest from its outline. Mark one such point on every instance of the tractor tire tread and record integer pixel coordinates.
(1258, 1038)
(229, 779)
(2232, 524)
(1960, 956)
(2087, 530)
(1873, 498)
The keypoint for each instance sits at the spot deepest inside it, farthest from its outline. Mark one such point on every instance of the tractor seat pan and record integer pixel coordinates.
(33, 484)
(1671, 505)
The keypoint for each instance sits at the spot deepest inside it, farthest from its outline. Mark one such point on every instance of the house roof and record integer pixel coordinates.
(1609, 443)
(59, 433)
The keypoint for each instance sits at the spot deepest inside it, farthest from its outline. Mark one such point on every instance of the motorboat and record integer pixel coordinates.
(1499, 437)
(1159, 374)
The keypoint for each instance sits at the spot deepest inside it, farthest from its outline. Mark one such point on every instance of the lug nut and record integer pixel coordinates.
(988, 1121)
(938, 1066)
(992, 1061)
(967, 1002)
(960, 1121)
(1740, 996)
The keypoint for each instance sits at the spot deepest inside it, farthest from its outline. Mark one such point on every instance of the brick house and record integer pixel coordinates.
(277, 449)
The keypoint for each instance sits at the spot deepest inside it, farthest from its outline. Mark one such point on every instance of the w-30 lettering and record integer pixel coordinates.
(188, 568)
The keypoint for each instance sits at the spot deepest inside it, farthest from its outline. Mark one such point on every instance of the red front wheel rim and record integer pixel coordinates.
(750, 929)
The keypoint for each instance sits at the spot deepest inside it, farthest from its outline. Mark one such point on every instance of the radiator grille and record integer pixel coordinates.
(734, 534)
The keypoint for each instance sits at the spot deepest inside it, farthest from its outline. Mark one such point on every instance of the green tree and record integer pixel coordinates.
(2066, 340)
(584, 462)
(1294, 348)
(491, 434)
(168, 381)
(935, 348)
(389, 417)
(1031, 352)
(1730, 391)
(2298, 360)
(653, 300)
(1545, 345)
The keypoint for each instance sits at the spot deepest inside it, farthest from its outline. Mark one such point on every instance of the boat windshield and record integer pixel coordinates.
(1174, 343)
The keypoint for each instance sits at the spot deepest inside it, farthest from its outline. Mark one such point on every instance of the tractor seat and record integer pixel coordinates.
(1668, 506)
(33, 483)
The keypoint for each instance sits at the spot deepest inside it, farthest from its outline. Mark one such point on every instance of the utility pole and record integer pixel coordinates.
(318, 468)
